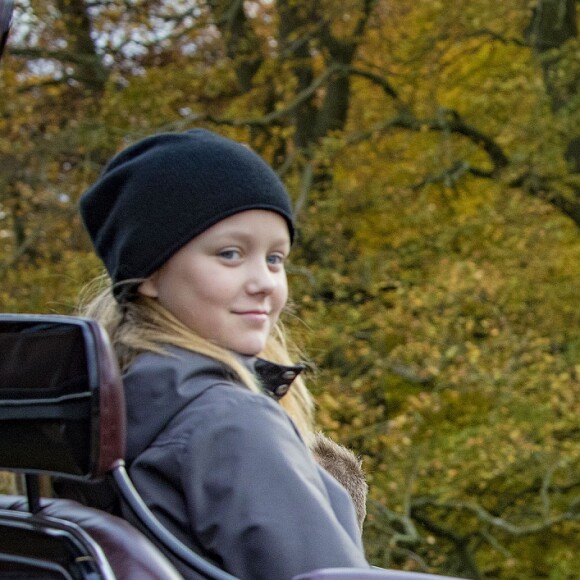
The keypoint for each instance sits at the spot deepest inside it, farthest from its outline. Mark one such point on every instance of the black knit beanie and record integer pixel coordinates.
(159, 193)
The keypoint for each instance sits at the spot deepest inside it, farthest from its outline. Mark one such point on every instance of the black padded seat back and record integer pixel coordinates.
(60, 390)
(62, 413)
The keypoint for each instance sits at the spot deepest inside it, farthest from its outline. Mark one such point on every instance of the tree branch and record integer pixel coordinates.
(376, 79)
(274, 116)
(546, 522)
(544, 188)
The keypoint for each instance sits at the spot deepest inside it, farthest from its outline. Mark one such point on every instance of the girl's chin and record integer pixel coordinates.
(249, 348)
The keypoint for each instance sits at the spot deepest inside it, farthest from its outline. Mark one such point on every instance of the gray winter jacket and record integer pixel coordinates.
(226, 471)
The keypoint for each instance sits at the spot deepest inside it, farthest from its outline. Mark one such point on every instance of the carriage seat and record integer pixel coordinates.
(110, 541)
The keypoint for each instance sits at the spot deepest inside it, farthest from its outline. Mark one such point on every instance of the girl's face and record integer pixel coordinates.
(229, 283)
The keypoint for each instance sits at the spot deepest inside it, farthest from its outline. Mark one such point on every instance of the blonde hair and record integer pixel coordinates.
(143, 325)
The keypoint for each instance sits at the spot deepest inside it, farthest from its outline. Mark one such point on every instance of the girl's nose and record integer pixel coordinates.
(261, 279)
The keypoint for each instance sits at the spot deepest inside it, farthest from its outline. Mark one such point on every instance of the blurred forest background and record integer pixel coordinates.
(432, 150)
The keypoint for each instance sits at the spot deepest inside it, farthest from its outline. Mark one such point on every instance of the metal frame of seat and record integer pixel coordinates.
(67, 534)
(30, 544)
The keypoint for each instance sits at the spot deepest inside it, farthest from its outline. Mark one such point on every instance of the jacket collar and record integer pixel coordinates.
(275, 378)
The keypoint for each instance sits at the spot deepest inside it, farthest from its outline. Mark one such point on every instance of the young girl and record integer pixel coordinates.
(194, 230)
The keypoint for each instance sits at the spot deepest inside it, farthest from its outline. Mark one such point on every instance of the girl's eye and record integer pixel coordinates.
(230, 254)
(276, 259)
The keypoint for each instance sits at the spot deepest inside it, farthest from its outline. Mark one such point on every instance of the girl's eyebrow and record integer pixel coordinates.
(237, 235)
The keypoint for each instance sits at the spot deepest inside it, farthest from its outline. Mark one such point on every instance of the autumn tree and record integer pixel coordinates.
(431, 150)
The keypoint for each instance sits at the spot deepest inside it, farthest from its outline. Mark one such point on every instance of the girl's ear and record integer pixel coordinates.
(149, 287)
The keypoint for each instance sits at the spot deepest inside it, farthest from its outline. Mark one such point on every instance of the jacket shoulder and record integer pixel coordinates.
(158, 387)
